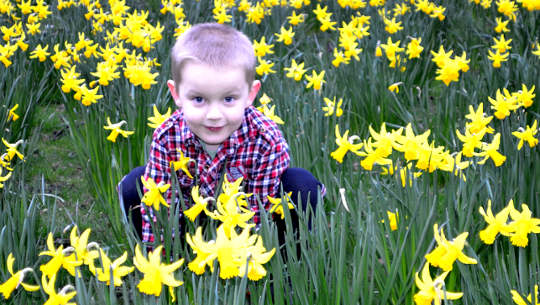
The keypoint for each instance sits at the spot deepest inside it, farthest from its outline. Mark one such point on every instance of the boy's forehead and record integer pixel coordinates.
(201, 75)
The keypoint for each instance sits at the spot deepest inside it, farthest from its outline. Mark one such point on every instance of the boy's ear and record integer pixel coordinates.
(174, 93)
(255, 87)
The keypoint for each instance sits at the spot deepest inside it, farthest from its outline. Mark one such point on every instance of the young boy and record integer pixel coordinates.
(216, 125)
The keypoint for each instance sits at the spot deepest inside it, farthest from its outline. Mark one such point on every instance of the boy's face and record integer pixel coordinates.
(213, 100)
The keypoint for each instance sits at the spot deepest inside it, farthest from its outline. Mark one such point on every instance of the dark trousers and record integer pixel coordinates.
(304, 186)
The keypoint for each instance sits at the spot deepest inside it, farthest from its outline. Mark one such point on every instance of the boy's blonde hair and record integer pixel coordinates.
(216, 45)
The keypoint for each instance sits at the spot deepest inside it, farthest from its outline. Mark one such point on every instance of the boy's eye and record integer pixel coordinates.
(229, 99)
(198, 99)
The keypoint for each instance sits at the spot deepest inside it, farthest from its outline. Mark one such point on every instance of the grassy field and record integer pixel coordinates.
(419, 117)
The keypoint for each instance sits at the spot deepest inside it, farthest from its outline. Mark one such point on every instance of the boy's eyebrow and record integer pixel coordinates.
(226, 92)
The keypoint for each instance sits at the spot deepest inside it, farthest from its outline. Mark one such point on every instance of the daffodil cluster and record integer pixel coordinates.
(443, 256)
(79, 253)
(22, 20)
(123, 34)
(429, 8)
(417, 149)
(236, 253)
(269, 111)
(6, 159)
(501, 46)
(517, 228)
(448, 67)
(350, 35)
(505, 102)
(393, 51)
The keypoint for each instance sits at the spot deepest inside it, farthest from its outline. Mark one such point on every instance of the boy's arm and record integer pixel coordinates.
(266, 175)
(159, 170)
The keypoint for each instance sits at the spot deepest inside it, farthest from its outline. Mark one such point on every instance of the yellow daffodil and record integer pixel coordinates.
(378, 50)
(462, 62)
(294, 19)
(152, 197)
(12, 115)
(269, 113)
(527, 135)
(333, 107)
(508, 8)
(285, 35)
(70, 79)
(60, 258)
(414, 48)
(410, 144)
(199, 204)
(40, 53)
(393, 219)
(441, 57)
(12, 151)
(89, 96)
(447, 252)
(449, 72)
(339, 58)
(57, 298)
(537, 51)
(206, 252)
(392, 26)
(491, 151)
(344, 145)
(82, 249)
(503, 103)
(231, 251)
(182, 164)
(394, 87)
(231, 215)
(277, 205)
(262, 48)
(501, 25)
(16, 279)
(525, 96)
(156, 273)
(157, 119)
(521, 225)
(497, 58)
(296, 70)
(265, 99)
(496, 224)
(4, 178)
(315, 80)
(478, 120)
(432, 291)
(103, 272)
(138, 73)
(256, 257)
(106, 71)
(116, 130)
(231, 194)
(264, 67)
(470, 141)
(518, 299)
(501, 44)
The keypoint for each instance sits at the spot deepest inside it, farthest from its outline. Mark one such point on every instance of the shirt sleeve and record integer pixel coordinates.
(159, 170)
(266, 175)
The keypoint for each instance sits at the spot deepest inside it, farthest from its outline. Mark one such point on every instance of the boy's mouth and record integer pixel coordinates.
(214, 129)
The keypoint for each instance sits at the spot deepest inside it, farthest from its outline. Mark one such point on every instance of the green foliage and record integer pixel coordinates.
(350, 255)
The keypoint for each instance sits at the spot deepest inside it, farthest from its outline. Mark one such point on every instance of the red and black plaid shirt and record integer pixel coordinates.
(256, 151)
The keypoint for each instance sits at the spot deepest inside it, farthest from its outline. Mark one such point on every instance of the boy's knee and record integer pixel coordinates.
(301, 183)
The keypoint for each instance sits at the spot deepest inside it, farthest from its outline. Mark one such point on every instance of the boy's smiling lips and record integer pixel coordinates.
(214, 129)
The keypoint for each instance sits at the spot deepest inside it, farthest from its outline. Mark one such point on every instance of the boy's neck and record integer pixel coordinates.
(210, 149)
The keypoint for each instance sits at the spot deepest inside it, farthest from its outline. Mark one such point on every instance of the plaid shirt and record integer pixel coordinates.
(256, 151)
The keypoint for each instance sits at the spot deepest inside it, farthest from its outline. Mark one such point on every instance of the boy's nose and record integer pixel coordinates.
(213, 113)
